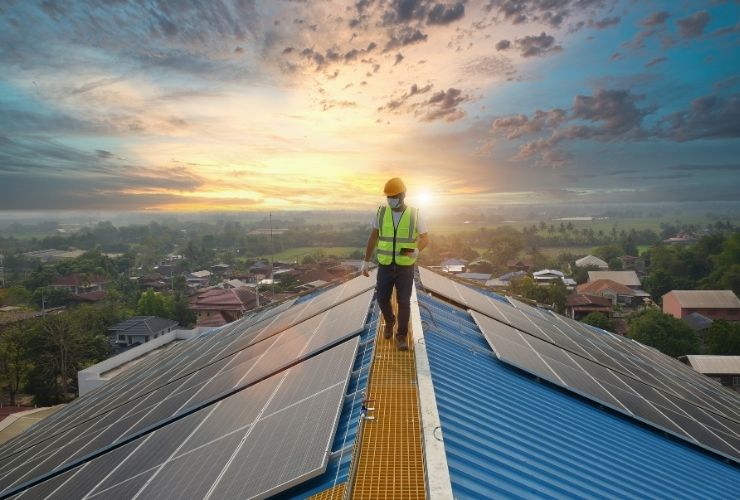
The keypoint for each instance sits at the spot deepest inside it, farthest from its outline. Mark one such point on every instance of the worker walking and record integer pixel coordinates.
(400, 234)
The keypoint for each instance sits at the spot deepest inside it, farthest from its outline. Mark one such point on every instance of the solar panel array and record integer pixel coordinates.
(279, 375)
(617, 372)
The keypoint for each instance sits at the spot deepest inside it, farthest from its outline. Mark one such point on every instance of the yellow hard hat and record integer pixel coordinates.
(394, 187)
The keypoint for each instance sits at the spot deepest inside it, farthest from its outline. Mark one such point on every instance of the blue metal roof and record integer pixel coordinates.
(507, 435)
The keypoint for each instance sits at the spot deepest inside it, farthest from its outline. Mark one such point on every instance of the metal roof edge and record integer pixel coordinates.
(438, 481)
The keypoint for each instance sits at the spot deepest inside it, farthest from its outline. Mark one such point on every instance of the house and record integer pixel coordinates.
(505, 279)
(479, 277)
(140, 329)
(219, 306)
(233, 283)
(199, 279)
(682, 238)
(714, 304)
(453, 266)
(89, 297)
(723, 369)
(220, 269)
(617, 293)
(80, 283)
(260, 267)
(592, 261)
(631, 263)
(578, 305)
(698, 322)
(481, 406)
(480, 266)
(626, 278)
(518, 265)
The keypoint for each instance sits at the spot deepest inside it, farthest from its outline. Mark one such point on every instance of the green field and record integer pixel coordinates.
(297, 254)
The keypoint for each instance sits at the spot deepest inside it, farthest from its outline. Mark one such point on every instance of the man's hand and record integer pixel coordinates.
(410, 252)
(365, 268)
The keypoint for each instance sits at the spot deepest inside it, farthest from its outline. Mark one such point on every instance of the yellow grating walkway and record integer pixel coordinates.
(391, 464)
(335, 493)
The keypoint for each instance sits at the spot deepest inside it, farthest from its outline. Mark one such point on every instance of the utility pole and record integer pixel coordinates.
(272, 261)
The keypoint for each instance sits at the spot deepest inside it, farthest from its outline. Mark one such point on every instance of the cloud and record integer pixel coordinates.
(655, 19)
(443, 105)
(693, 26)
(536, 45)
(398, 102)
(404, 36)
(652, 25)
(549, 12)
(709, 117)
(442, 14)
(607, 115)
(604, 23)
(503, 44)
(656, 61)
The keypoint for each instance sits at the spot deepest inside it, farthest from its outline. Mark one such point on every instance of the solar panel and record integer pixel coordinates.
(291, 416)
(95, 422)
(614, 371)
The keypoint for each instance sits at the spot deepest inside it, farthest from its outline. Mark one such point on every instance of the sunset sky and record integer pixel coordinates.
(271, 105)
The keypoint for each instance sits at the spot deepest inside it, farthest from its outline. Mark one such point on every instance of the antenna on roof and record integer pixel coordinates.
(272, 261)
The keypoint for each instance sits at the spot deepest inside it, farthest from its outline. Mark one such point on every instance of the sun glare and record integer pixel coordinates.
(424, 199)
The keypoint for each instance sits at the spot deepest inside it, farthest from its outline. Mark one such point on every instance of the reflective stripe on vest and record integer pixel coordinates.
(391, 240)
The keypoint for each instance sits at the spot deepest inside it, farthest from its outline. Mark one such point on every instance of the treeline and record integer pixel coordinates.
(712, 263)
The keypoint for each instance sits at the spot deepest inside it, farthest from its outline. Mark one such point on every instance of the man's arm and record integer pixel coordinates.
(369, 249)
(423, 241)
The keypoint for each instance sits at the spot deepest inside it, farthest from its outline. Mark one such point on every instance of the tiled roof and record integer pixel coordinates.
(626, 278)
(580, 299)
(143, 325)
(709, 299)
(601, 285)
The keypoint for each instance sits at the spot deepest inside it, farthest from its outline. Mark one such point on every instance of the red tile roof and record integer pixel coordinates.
(579, 300)
(599, 286)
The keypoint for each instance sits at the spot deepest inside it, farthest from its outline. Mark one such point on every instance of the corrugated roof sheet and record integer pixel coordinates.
(509, 436)
(591, 260)
(729, 365)
(627, 278)
(706, 298)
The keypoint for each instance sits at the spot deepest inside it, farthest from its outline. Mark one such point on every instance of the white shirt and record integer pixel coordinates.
(420, 224)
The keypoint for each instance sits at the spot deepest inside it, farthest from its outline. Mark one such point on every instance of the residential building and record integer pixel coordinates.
(714, 304)
(626, 278)
(592, 261)
(547, 276)
(220, 269)
(80, 283)
(219, 306)
(453, 266)
(723, 369)
(482, 278)
(698, 322)
(199, 279)
(140, 329)
(631, 263)
(519, 265)
(578, 305)
(616, 293)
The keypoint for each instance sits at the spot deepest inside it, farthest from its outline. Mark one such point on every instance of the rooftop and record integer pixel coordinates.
(519, 402)
(715, 365)
(602, 284)
(626, 278)
(705, 299)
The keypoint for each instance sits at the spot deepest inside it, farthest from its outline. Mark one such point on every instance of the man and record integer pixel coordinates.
(400, 234)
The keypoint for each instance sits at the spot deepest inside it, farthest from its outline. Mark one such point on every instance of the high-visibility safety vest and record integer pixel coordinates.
(391, 239)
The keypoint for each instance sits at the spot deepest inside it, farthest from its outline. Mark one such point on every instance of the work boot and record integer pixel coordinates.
(388, 330)
(401, 343)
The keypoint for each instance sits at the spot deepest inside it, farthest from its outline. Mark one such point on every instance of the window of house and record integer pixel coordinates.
(736, 380)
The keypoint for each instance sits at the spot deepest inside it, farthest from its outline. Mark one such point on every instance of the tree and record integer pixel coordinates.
(152, 303)
(180, 310)
(15, 363)
(599, 320)
(664, 332)
(723, 338)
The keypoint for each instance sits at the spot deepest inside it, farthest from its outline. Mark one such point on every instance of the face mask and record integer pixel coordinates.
(394, 202)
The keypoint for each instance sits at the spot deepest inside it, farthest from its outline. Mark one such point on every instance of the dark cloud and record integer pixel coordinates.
(398, 58)
(550, 12)
(656, 61)
(398, 102)
(655, 19)
(709, 117)
(606, 115)
(605, 22)
(404, 36)
(503, 45)
(536, 45)
(446, 14)
(652, 25)
(693, 26)
(443, 105)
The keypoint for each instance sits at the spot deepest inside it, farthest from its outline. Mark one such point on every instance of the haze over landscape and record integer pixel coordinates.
(251, 105)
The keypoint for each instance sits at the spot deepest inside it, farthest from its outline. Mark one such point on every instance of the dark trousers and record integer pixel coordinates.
(402, 277)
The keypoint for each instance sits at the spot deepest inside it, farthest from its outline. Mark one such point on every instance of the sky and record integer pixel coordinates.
(208, 105)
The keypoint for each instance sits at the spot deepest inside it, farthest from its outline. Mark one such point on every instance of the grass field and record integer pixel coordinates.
(297, 254)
